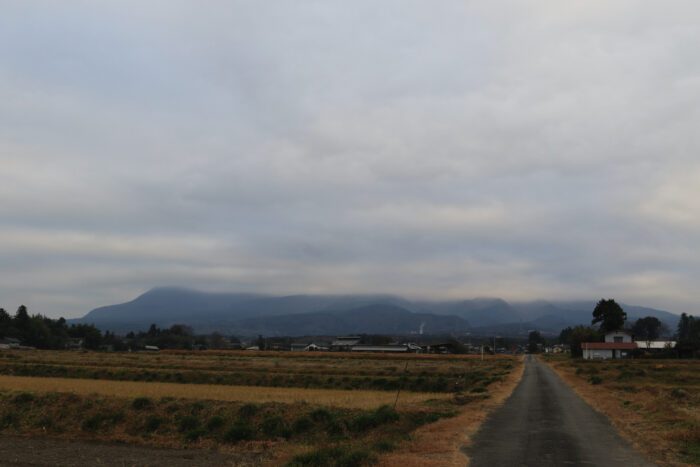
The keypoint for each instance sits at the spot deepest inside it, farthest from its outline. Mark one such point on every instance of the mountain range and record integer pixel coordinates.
(246, 314)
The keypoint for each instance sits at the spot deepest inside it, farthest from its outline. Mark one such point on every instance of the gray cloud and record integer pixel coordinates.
(537, 150)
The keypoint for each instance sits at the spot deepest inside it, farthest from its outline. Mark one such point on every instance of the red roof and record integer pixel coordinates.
(609, 345)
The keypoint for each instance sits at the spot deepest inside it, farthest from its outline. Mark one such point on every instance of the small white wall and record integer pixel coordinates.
(610, 337)
(605, 354)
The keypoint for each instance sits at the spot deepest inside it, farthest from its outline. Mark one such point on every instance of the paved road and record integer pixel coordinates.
(545, 423)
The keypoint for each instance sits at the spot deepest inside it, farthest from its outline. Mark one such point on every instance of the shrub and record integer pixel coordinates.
(336, 456)
(274, 426)
(248, 410)
(238, 432)
(196, 406)
(115, 417)
(386, 414)
(44, 422)
(479, 389)
(92, 424)
(595, 380)
(9, 420)
(301, 425)
(320, 415)
(194, 435)
(429, 417)
(215, 422)
(152, 423)
(173, 407)
(336, 427)
(23, 398)
(188, 423)
(679, 393)
(141, 403)
(384, 445)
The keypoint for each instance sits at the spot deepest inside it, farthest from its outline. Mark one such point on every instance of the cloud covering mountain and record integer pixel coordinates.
(253, 314)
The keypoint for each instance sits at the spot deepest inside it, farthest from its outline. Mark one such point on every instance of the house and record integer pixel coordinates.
(618, 344)
(390, 348)
(655, 345)
(303, 347)
(345, 343)
(7, 343)
(74, 343)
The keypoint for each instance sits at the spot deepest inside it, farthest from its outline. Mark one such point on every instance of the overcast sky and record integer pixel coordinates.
(451, 149)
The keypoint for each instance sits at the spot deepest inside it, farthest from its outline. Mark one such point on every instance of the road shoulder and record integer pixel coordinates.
(638, 431)
(441, 443)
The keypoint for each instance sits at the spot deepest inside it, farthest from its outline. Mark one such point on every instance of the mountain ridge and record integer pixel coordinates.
(307, 314)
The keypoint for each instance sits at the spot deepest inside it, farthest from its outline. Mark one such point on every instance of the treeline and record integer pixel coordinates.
(46, 333)
(687, 335)
(177, 336)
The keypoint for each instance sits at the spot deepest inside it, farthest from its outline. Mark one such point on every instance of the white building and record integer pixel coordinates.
(655, 345)
(618, 344)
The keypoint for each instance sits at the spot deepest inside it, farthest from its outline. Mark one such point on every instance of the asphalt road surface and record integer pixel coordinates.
(545, 423)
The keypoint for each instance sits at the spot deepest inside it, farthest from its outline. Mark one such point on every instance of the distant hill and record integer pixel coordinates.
(247, 314)
(369, 319)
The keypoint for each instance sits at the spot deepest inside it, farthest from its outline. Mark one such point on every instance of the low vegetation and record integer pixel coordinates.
(308, 409)
(205, 423)
(654, 403)
(424, 373)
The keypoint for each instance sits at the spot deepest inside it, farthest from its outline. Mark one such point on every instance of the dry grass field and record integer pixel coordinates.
(653, 403)
(301, 409)
(359, 399)
(323, 370)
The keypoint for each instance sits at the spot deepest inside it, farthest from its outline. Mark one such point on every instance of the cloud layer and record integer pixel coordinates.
(452, 149)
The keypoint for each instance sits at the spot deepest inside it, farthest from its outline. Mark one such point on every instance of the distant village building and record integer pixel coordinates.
(345, 343)
(440, 348)
(655, 345)
(74, 343)
(7, 343)
(304, 347)
(389, 348)
(618, 344)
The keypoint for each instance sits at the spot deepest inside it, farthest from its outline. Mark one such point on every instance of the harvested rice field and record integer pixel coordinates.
(321, 370)
(276, 408)
(359, 399)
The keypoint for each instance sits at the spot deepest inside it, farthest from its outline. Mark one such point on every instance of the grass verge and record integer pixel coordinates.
(655, 404)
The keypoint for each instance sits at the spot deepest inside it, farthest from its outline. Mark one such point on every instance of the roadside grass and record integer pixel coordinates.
(653, 403)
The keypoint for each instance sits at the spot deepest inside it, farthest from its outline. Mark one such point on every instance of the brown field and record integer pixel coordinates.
(653, 403)
(321, 370)
(334, 416)
(358, 399)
